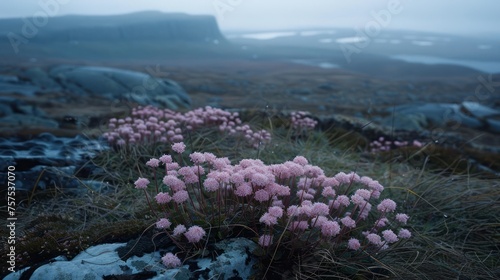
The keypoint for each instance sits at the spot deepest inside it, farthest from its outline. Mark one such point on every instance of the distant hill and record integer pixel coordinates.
(150, 26)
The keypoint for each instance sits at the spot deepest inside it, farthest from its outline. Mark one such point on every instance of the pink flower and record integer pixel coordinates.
(163, 223)
(237, 178)
(387, 205)
(318, 221)
(328, 192)
(141, 183)
(330, 182)
(404, 233)
(300, 160)
(268, 219)
(389, 236)
(197, 158)
(198, 170)
(277, 189)
(266, 240)
(191, 179)
(382, 222)
(330, 228)
(178, 230)
(210, 157)
(261, 195)
(243, 190)
(166, 159)
(353, 244)
(163, 198)
(211, 184)
(366, 194)
(260, 179)
(313, 171)
(376, 186)
(417, 143)
(305, 210)
(342, 200)
(172, 166)
(402, 218)
(304, 195)
(186, 171)
(194, 234)
(374, 239)
(295, 169)
(320, 209)
(278, 203)
(275, 211)
(358, 200)
(174, 183)
(348, 222)
(365, 210)
(179, 147)
(180, 196)
(299, 225)
(343, 178)
(220, 163)
(220, 176)
(153, 162)
(354, 177)
(292, 210)
(171, 261)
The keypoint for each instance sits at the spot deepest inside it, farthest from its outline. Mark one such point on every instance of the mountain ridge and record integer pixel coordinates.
(148, 25)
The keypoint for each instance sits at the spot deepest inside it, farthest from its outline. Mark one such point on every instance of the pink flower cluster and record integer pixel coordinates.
(150, 125)
(170, 260)
(382, 145)
(301, 122)
(293, 196)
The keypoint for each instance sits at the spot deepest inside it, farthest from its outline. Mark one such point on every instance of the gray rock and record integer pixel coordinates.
(40, 78)
(21, 120)
(409, 122)
(20, 88)
(102, 260)
(439, 114)
(478, 110)
(46, 160)
(118, 84)
(8, 79)
(494, 125)
(419, 116)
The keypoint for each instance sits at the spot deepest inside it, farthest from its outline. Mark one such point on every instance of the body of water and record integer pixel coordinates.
(484, 66)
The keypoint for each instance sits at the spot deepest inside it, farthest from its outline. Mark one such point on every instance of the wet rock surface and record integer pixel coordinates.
(47, 161)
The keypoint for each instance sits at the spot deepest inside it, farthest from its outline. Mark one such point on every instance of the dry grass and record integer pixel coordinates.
(454, 217)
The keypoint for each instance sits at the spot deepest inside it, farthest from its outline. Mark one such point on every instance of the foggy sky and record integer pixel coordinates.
(446, 16)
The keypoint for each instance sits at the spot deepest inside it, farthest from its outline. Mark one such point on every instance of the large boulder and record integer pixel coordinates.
(65, 98)
(118, 84)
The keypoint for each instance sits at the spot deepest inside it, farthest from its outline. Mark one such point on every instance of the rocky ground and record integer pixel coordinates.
(51, 115)
(68, 100)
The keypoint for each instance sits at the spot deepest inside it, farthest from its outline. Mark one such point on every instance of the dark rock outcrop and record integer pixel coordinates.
(47, 161)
